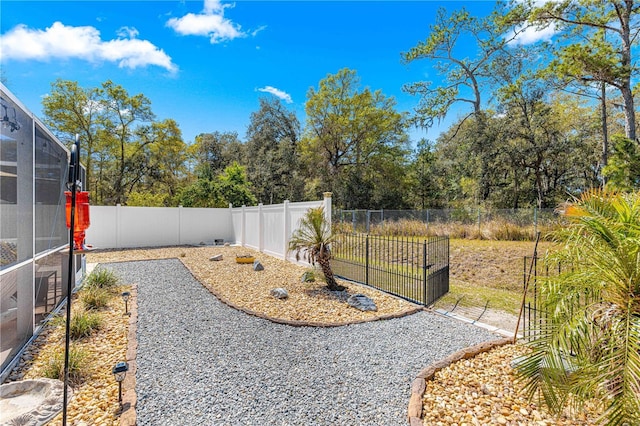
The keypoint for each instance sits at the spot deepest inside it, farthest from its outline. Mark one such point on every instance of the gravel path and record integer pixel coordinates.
(203, 363)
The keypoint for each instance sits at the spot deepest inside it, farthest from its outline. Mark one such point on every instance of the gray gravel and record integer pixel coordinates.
(203, 363)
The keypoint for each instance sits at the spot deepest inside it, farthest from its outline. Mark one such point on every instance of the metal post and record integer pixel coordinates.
(366, 261)
(72, 184)
(424, 272)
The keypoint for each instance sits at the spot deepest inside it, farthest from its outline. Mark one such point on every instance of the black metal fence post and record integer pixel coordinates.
(366, 261)
(424, 272)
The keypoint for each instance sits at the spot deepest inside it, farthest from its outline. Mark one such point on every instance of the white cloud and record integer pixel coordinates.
(213, 6)
(530, 35)
(277, 92)
(66, 42)
(210, 23)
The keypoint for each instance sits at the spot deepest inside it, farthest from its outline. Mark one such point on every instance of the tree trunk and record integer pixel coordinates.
(605, 133)
(325, 265)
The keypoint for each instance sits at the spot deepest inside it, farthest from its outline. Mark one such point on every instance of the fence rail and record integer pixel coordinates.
(414, 270)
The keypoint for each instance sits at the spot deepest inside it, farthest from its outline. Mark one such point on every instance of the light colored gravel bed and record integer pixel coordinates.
(484, 390)
(243, 287)
(201, 362)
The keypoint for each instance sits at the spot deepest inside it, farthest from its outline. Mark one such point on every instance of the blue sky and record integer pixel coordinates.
(205, 63)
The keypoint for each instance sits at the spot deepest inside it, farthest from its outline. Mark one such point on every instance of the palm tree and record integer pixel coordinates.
(589, 344)
(312, 239)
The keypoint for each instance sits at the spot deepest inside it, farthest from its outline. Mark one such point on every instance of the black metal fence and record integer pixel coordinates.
(414, 270)
(534, 313)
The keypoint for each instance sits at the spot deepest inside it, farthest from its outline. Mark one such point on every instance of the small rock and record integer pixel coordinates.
(217, 257)
(362, 302)
(308, 277)
(257, 266)
(279, 293)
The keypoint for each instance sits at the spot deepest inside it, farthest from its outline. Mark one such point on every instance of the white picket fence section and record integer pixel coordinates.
(264, 228)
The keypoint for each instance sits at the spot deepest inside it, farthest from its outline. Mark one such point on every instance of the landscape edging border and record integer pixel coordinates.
(129, 399)
(419, 384)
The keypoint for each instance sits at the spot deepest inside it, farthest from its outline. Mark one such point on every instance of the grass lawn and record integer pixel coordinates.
(485, 270)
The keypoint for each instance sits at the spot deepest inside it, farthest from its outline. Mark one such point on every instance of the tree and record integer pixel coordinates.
(234, 187)
(348, 129)
(272, 153)
(589, 344)
(230, 186)
(604, 33)
(124, 149)
(313, 239)
(422, 175)
(218, 150)
(464, 78)
(623, 171)
(70, 110)
(162, 167)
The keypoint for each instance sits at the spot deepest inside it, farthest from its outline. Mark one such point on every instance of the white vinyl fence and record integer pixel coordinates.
(264, 228)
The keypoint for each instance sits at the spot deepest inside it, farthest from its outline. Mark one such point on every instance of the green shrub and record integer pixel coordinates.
(102, 278)
(78, 365)
(82, 324)
(95, 297)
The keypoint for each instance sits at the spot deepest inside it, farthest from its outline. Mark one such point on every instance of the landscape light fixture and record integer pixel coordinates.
(119, 373)
(125, 297)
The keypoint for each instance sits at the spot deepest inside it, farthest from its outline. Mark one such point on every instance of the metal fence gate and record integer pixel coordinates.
(414, 270)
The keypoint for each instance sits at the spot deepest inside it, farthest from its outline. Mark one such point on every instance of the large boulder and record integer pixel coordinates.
(362, 302)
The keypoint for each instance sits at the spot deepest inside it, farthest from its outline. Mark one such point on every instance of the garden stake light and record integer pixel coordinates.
(119, 373)
(125, 297)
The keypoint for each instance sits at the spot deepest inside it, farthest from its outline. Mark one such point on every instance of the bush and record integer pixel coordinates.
(95, 297)
(82, 324)
(78, 365)
(102, 278)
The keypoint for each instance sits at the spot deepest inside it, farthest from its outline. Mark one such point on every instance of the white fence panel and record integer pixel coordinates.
(103, 231)
(127, 227)
(252, 228)
(273, 230)
(148, 227)
(264, 228)
(236, 217)
(203, 225)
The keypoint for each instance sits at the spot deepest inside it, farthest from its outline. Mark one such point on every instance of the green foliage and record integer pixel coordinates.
(600, 37)
(146, 199)
(230, 186)
(313, 241)
(272, 153)
(589, 345)
(123, 148)
(102, 278)
(94, 297)
(79, 365)
(355, 142)
(83, 323)
(623, 169)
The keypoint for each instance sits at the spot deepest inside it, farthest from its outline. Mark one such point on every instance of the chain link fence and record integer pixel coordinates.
(507, 224)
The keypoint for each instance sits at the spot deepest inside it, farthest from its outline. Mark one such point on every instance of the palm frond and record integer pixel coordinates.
(589, 343)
